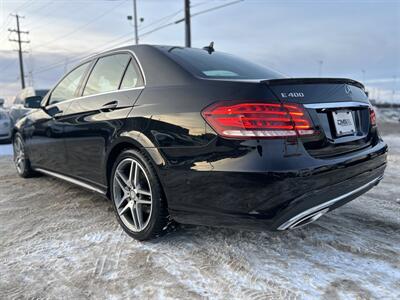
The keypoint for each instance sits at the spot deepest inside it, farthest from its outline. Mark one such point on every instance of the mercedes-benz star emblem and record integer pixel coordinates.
(347, 89)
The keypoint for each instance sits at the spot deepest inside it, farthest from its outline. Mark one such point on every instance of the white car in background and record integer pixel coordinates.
(19, 107)
(5, 126)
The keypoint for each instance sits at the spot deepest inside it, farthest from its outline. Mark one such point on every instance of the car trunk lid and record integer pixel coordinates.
(339, 109)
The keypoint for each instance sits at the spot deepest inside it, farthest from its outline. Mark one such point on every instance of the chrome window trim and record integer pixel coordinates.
(336, 104)
(327, 204)
(103, 55)
(47, 98)
(82, 97)
(100, 55)
(110, 92)
(71, 180)
(96, 57)
(140, 67)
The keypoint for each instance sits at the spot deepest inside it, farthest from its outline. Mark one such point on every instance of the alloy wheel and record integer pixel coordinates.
(132, 194)
(19, 155)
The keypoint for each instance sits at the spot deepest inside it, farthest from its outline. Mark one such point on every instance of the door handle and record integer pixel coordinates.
(109, 106)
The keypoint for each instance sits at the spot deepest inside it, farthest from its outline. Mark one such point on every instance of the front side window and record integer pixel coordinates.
(67, 88)
(132, 77)
(107, 74)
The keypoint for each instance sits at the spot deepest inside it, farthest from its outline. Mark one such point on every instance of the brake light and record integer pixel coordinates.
(372, 117)
(258, 119)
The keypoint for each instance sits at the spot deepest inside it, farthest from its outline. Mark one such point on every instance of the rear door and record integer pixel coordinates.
(339, 109)
(94, 119)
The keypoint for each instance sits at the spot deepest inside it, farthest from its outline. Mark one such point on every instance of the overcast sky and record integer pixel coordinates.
(293, 37)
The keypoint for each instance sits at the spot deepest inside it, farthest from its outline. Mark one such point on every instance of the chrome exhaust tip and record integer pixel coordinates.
(300, 220)
(314, 213)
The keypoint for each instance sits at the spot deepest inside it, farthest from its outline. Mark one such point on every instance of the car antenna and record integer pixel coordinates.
(210, 48)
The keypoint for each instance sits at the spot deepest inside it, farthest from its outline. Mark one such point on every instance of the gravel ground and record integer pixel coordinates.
(60, 241)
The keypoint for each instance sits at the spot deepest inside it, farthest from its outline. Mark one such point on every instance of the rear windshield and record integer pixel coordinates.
(219, 65)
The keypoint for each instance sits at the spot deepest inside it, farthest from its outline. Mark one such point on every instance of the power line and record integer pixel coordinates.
(25, 4)
(157, 28)
(51, 20)
(72, 59)
(199, 4)
(215, 8)
(8, 65)
(5, 25)
(192, 15)
(44, 5)
(165, 19)
(82, 26)
(81, 57)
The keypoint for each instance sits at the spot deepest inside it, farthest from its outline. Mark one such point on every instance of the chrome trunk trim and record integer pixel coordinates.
(336, 105)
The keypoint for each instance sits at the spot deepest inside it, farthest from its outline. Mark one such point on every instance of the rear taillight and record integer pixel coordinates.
(372, 117)
(258, 119)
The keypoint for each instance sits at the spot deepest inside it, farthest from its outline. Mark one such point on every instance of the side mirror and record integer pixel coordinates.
(33, 102)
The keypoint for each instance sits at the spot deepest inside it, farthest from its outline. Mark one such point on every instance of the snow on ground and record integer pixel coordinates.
(6, 149)
(388, 115)
(60, 241)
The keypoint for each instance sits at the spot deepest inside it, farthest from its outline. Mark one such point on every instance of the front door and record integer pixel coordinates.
(46, 142)
(45, 137)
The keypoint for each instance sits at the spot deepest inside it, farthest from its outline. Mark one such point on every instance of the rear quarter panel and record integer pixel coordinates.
(168, 120)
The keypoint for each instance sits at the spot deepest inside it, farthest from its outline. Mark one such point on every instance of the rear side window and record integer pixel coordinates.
(67, 88)
(219, 65)
(132, 77)
(107, 74)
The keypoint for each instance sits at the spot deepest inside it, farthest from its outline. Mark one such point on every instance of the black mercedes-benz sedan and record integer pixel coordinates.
(203, 137)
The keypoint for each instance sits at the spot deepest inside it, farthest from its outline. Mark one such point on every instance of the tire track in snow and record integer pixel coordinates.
(58, 241)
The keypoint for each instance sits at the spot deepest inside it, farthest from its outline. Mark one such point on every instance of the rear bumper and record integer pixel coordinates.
(302, 212)
(313, 213)
(250, 199)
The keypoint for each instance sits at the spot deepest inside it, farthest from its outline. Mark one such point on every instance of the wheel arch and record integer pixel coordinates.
(18, 127)
(140, 144)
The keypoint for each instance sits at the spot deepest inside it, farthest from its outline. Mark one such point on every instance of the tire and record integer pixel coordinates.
(137, 196)
(21, 160)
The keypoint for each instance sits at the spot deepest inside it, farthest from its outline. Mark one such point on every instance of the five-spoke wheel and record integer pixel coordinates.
(132, 194)
(19, 154)
(21, 160)
(136, 193)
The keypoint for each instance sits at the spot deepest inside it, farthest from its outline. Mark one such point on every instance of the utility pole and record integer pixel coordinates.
(19, 41)
(135, 22)
(188, 39)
